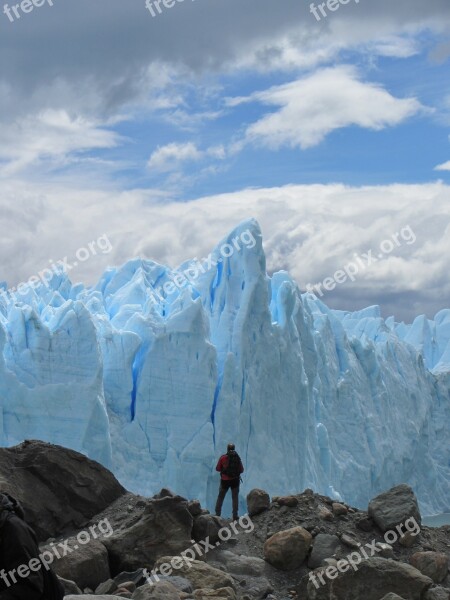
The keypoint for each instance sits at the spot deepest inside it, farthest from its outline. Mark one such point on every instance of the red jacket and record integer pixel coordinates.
(222, 464)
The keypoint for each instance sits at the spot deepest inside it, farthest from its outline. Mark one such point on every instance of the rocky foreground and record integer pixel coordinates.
(105, 542)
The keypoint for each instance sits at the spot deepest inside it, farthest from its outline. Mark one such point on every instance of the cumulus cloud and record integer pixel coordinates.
(443, 167)
(312, 107)
(172, 156)
(311, 231)
(51, 135)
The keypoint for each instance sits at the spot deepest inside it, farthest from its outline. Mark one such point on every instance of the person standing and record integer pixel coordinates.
(230, 468)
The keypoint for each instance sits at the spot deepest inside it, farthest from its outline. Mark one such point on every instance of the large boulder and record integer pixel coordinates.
(372, 579)
(286, 550)
(86, 565)
(394, 507)
(431, 564)
(164, 527)
(257, 502)
(199, 573)
(60, 489)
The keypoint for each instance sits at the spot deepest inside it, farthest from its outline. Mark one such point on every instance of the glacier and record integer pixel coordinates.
(154, 370)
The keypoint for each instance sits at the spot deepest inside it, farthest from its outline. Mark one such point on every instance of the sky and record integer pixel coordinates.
(164, 132)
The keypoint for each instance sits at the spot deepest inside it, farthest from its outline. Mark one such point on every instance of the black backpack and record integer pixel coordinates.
(233, 468)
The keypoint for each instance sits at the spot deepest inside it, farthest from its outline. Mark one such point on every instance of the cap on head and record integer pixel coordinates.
(230, 447)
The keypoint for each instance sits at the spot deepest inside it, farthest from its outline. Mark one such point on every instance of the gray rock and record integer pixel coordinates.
(87, 565)
(128, 585)
(349, 541)
(386, 550)
(241, 565)
(163, 590)
(365, 524)
(408, 540)
(207, 526)
(195, 508)
(164, 493)
(373, 579)
(107, 587)
(137, 577)
(164, 528)
(432, 564)
(55, 504)
(181, 583)
(437, 593)
(70, 587)
(324, 546)
(394, 507)
(330, 562)
(257, 502)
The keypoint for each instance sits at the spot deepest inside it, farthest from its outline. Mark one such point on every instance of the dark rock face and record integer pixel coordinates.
(164, 528)
(59, 489)
(394, 507)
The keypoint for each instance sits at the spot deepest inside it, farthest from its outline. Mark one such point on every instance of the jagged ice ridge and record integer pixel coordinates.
(154, 386)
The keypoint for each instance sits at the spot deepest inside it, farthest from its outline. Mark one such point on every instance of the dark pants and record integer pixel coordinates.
(225, 485)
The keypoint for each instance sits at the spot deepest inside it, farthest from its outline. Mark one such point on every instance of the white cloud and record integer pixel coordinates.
(312, 107)
(50, 136)
(309, 230)
(444, 167)
(172, 156)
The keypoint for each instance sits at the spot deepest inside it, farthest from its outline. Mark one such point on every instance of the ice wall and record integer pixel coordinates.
(153, 378)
